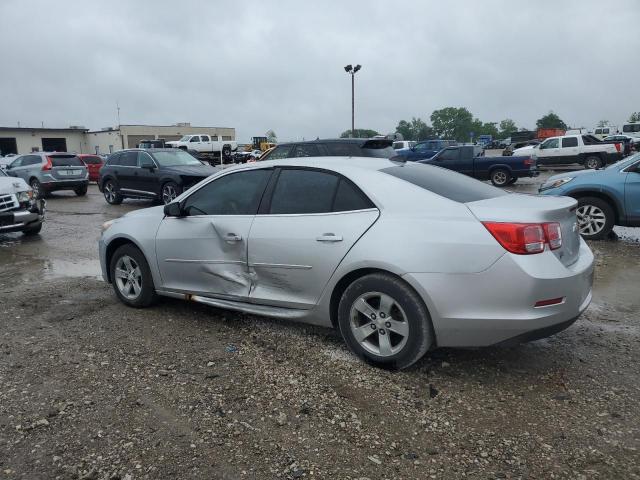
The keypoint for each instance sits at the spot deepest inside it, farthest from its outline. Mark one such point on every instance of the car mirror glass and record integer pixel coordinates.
(173, 210)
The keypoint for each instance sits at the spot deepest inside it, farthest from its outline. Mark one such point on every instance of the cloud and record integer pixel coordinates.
(259, 65)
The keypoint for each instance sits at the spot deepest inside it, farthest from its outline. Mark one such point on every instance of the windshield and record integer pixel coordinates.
(186, 138)
(624, 162)
(175, 158)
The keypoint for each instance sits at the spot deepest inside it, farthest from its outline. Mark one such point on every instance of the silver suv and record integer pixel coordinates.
(48, 172)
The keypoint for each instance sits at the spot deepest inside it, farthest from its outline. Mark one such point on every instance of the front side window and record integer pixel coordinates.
(569, 142)
(307, 150)
(234, 194)
(422, 147)
(281, 151)
(551, 143)
(17, 162)
(303, 191)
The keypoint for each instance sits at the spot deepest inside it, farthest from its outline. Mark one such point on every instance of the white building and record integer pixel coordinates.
(106, 140)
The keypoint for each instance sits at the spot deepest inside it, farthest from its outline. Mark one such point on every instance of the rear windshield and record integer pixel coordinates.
(66, 161)
(92, 160)
(443, 182)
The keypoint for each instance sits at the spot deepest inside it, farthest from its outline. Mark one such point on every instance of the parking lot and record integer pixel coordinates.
(92, 389)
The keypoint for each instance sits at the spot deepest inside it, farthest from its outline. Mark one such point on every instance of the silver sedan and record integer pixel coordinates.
(401, 258)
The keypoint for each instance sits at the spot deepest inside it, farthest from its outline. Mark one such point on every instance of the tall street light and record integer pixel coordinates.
(352, 71)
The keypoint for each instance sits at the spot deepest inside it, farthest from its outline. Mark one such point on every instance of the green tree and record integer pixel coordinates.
(634, 117)
(271, 136)
(416, 129)
(551, 120)
(359, 133)
(603, 123)
(507, 127)
(454, 123)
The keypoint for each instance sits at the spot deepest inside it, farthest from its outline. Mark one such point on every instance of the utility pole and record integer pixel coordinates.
(118, 110)
(352, 71)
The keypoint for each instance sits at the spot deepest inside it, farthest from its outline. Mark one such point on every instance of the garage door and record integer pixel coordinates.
(8, 145)
(54, 144)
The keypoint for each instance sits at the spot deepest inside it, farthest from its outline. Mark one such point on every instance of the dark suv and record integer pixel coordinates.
(156, 174)
(339, 147)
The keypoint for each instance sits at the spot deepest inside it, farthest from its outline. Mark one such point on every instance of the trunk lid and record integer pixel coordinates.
(519, 208)
(67, 167)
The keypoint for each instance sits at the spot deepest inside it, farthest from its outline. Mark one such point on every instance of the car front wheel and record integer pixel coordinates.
(131, 277)
(384, 321)
(595, 218)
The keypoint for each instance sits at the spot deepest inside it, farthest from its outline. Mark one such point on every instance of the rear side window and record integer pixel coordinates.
(67, 161)
(569, 142)
(341, 149)
(448, 184)
(307, 150)
(114, 159)
(279, 152)
(33, 160)
(303, 191)
(234, 194)
(129, 159)
(92, 160)
(349, 197)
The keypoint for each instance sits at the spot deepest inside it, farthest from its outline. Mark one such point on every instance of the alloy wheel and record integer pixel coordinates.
(109, 192)
(593, 163)
(379, 324)
(500, 178)
(128, 277)
(169, 194)
(591, 219)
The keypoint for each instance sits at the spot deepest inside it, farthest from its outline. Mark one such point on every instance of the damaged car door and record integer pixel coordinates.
(204, 250)
(306, 225)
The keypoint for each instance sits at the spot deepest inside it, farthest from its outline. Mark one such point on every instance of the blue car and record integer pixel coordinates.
(605, 197)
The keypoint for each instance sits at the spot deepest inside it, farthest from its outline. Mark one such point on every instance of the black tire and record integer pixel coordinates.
(111, 193)
(593, 162)
(593, 208)
(226, 150)
(513, 180)
(35, 230)
(169, 191)
(500, 177)
(147, 295)
(81, 192)
(36, 186)
(407, 304)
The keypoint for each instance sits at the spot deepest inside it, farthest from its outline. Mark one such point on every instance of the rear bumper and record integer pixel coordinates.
(51, 186)
(497, 306)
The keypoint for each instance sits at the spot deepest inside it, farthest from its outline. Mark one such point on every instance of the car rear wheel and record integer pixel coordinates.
(593, 162)
(111, 194)
(500, 177)
(170, 191)
(131, 277)
(384, 321)
(82, 191)
(36, 186)
(595, 218)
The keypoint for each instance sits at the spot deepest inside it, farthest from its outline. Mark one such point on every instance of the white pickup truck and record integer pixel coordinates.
(205, 145)
(585, 150)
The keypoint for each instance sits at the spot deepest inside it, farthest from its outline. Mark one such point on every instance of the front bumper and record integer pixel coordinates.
(497, 306)
(18, 220)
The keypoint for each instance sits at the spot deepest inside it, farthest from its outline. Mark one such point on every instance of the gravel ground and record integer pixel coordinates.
(91, 389)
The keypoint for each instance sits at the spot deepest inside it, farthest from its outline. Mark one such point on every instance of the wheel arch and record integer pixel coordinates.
(112, 246)
(604, 196)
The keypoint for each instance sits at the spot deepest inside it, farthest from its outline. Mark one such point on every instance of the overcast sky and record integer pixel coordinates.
(259, 65)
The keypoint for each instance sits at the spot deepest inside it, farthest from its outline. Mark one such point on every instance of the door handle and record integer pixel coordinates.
(329, 237)
(232, 237)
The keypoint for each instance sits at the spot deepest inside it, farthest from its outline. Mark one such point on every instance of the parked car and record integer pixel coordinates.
(426, 149)
(605, 197)
(20, 210)
(629, 143)
(49, 172)
(399, 144)
(632, 129)
(502, 171)
(5, 161)
(152, 143)
(514, 146)
(93, 163)
(155, 174)
(205, 146)
(377, 248)
(341, 147)
(602, 132)
(581, 149)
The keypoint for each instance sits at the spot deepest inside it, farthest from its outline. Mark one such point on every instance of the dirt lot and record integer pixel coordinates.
(91, 389)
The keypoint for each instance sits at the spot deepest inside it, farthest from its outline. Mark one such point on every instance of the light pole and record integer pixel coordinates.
(352, 71)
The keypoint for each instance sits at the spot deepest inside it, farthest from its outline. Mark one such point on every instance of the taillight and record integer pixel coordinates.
(528, 161)
(526, 238)
(48, 165)
(617, 147)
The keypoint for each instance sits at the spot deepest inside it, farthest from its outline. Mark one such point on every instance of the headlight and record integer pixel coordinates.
(555, 183)
(25, 196)
(105, 226)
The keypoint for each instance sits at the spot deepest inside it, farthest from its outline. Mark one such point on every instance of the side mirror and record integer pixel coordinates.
(173, 210)
(148, 164)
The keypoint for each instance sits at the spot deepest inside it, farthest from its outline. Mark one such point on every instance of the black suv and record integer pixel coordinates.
(338, 147)
(157, 174)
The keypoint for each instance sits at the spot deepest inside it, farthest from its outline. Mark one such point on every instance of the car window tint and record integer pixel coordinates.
(349, 197)
(449, 154)
(92, 160)
(303, 191)
(569, 142)
(234, 194)
(341, 149)
(194, 139)
(65, 161)
(113, 159)
(306, 150)
(204, 138)
(129, 159)
(452, 185)
(279, 152)
(32, 160)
